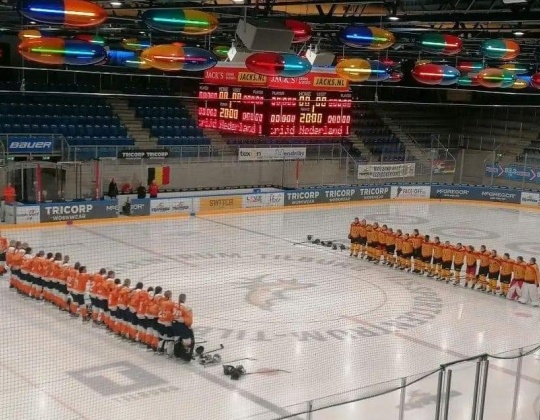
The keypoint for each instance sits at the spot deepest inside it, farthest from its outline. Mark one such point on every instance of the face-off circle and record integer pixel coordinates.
(464, 233)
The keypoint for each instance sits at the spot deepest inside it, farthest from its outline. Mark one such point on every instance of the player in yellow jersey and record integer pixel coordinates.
(483, 272)
(471, 263)
(447, 258)
(459, 260)
(437, 257)
(390, 247)
(399, 253)
(427, 254)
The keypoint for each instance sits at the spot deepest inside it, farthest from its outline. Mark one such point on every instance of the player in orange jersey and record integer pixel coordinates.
(516, 285)
(123, 311)
(165, 320)
(26, 267)
(459, 260)
(16, 262)
(133, 304)
(407, 252)
(529, 291)
(182, 332)
(35, 274)
(142, 325)
(427, 255)
(484, 257)
(437, 257)
(507, 268)
(4, 245)
(390, 247)
(399, 250)
(112, 305)
(12, 248)
(96, 292)
(381, 254)
(371, 241)
(416, 240)
(152, 313)
(494, 270)
(471, 263)
(354, 236)
(107, 286)
(447, 259)
(71, 284)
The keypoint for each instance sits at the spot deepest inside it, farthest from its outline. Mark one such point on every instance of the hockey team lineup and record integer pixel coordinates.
(274, 272)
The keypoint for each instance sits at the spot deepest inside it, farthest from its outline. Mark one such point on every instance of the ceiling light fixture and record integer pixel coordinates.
(116, 3)
(393, 17)
(238, 1)
(519, 33)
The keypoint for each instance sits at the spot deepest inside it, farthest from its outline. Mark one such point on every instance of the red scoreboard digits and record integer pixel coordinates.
(275, 113)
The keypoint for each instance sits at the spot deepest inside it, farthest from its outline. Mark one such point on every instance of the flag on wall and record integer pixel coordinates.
(160, 174)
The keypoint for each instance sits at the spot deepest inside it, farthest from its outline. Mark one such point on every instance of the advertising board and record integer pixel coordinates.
(78, 210)
(221, 203)
(172, 205)
(407, 192)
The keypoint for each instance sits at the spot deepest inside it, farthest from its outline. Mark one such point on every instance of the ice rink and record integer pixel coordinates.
(328, 324)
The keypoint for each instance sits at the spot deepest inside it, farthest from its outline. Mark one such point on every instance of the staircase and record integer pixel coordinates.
(359, 144)
(141, 135)
(413, 148)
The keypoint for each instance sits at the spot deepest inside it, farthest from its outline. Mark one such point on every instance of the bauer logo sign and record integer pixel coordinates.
(336, 195)
(221, 203)
(23, 146)
(26, 214)
(86, 210)
(530, 199)
(171, 205)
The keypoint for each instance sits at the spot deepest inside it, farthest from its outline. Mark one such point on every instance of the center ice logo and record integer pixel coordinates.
(264, 294)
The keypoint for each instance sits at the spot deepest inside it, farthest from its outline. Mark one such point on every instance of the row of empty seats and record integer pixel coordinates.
(183, 141)
(63, 119)
(99, 141)
(66, 130)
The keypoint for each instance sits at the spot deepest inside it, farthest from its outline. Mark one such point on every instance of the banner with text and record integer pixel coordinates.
(143, 154)
(261, 200)
(27, 214)
(139, 207)
(335, 195)
(476, 193)
(400, 170)
(407, 192)
(226, 74)
(513, 173)
(271, 153)
(221, 203)
(83, 210)
(173, 205)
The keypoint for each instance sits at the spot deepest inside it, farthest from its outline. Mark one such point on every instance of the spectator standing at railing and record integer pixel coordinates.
(153, 189)
(141, 191)
(9, 193)
(113, 189)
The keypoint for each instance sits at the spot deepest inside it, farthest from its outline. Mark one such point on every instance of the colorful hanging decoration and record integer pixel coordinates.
(134, 44)
(468, 81)
(58, 51)
(435, 74)
(359, 70)
(29, 34)
(520, 84)
(93, 39)
(516, 68)
(74, 13)
(535, 80)
(470, 66)
(189, 22)
(278, 64)
(496, 78)
(302, 31)
(367, 37)
(440, 43)
(500, 49)
(221, 51)
(168, 57)
(395, 77)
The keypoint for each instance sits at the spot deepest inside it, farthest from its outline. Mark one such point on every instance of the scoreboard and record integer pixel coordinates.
(276, 113)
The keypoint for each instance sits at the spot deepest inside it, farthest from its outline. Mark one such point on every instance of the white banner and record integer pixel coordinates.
(408, 192)
(271, 153)
(173, 205)
(400, 170)
(27, 214)
(262, 200)
(530, 199)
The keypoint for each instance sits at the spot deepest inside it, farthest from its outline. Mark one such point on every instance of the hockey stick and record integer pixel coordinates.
(232, 361)
(267, 371)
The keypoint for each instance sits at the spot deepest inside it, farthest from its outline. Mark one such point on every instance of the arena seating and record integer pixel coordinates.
(169, 121)
(82, 120)
(376, 136)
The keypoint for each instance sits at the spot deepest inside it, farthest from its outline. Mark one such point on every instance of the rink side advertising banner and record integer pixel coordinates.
(254, 154)
(476, 193)
(513, 173)
(78, 210)
(335, 195)
(386, 171)
(139, 207)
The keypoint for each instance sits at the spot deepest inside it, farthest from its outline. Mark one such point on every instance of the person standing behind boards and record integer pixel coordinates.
(113, 189)
(141, 191)
(153, 189)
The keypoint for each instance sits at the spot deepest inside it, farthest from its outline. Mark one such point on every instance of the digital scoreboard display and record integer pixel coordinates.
(276, 113)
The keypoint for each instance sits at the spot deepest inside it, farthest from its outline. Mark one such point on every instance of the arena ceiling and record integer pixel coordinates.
(473, 20)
